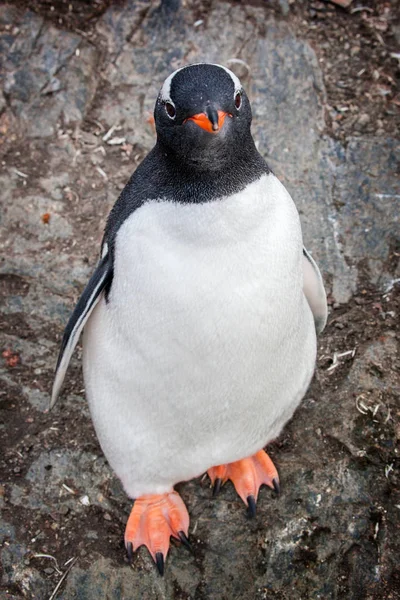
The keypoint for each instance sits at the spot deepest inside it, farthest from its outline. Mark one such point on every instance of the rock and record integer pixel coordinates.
(47, 479)
(48, 74)
(363, 195)
(363, 120)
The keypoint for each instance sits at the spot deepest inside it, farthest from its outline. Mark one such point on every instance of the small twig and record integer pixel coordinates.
(53, 595)
(100, 149)
(357, 9)
(21, 174)
(388, 470)
(75, 157)
(69, 489)
(102, 173)
(337, 355)
(40, 555)
(360, 406)
(109, 133)
(116, 141)
(388, 416)
(375, 410)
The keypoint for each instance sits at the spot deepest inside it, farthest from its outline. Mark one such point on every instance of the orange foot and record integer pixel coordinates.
(247, 475)
(153, 519)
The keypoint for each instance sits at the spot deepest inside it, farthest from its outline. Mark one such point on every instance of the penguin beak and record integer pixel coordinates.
(211, 120)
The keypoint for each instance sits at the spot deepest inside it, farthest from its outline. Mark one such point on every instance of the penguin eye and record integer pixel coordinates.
(238, 100)
(170, 110)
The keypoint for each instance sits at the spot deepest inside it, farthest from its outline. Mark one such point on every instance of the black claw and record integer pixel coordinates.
(277, 487)
(129, 551)
(217, 487)
(252, 506)
(160, 562)
(185, 541)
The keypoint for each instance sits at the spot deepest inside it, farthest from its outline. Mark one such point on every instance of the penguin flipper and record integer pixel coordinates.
(314, 291)
(86, 303)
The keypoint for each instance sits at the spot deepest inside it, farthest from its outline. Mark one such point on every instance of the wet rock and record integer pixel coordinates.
(366, 189)
(16, 571)
(38, 399)
(48, 74)
(102, 580)
(59, 478)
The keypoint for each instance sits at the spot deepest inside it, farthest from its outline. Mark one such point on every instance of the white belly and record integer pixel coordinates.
(207, 344)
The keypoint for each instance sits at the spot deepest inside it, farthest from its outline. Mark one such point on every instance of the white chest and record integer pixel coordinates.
(176, 262)
(207, 343)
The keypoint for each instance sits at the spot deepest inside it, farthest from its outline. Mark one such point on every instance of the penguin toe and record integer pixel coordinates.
(217, 487)
(218, 476)
(160, 563)
(251, 503)
(153, 520)
(247, 475)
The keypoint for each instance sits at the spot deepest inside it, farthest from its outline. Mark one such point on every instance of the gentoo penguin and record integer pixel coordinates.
(200, 319)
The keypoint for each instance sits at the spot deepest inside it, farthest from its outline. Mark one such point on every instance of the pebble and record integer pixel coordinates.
(363, 119)
(84, 500)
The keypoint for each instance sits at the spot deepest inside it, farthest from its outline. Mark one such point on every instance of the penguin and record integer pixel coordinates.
(200, 319)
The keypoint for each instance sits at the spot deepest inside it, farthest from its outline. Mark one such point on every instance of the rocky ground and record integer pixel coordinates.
(79, 80)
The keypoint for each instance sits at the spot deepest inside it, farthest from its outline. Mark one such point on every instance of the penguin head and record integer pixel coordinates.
(203, 116)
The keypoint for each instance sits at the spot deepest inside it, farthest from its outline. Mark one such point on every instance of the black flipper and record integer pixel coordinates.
(86, 303)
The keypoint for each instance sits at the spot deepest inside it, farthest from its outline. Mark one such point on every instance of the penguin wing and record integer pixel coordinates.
(86, 303)
(314, 291)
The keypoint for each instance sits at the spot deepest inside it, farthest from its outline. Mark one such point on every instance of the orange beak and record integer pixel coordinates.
(204, 121)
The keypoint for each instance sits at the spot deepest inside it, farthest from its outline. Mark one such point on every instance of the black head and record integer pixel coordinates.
(203, 116)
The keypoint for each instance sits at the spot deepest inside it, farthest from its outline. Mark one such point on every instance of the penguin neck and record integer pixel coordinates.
(192, 181)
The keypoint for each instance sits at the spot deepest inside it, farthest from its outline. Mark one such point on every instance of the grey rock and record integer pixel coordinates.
(39, 400)
(366, 189)
(363, 119)
(16, 571)
(45, 484)
(48, 74)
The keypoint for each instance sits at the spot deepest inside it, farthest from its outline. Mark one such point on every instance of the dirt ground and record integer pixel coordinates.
(79, 80)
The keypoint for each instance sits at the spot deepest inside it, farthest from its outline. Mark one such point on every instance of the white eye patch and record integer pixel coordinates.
(165, 93)
(236, 81)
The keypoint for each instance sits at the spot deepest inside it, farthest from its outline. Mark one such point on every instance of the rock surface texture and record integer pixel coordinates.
(74, 114)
